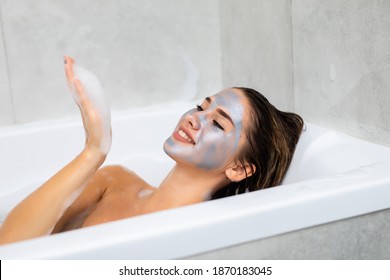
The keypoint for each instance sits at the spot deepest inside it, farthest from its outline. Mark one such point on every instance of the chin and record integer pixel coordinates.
(167, 147)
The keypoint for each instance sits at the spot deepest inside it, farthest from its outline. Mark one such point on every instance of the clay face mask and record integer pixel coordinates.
(208, 136)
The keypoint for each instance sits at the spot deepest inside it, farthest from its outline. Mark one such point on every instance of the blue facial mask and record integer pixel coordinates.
(213, 147)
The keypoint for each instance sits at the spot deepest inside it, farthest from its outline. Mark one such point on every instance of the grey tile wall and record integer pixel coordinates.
(6, 110)
(256, 48)
(342, 65)
(329, 61)
(144, 52)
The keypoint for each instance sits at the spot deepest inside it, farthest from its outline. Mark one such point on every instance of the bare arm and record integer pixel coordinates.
(88, 198)
(38, 213)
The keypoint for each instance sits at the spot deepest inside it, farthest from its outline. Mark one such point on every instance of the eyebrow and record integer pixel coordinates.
(220, 111)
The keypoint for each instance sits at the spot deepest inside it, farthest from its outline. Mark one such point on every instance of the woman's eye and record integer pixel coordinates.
(199, 108)
(218, 125)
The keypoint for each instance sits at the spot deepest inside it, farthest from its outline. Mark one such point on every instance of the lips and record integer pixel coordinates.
(183, 136)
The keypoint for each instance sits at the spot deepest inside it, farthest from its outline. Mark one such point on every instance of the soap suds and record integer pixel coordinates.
(95, 93)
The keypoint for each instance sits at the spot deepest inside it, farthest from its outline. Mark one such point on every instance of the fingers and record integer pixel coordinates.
(87, 108)
(82, 97)
(95, 115)
(69, 62)
(74, 84)
(88, 115)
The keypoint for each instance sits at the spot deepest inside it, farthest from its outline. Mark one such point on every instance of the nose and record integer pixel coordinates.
(193, 121)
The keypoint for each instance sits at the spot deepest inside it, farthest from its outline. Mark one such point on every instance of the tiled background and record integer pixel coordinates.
(342, 65)
(6, 112)
(144, 52)
(327, 60)
(256, 48)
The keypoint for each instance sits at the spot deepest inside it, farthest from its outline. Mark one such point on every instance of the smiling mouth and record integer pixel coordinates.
(182, 136)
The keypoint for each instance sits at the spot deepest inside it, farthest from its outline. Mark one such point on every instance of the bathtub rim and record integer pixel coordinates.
(188, 225)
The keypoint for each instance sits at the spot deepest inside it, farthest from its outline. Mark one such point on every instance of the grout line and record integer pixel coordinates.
(7, 68)
(292, 55)
(220, 27)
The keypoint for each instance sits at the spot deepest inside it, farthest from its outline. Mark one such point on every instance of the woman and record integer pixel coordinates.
(234, 142)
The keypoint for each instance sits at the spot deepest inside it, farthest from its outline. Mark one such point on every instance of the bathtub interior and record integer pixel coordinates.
(322, 153)
(328, 168)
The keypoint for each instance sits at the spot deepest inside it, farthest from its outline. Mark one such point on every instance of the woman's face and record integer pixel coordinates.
(208, 136)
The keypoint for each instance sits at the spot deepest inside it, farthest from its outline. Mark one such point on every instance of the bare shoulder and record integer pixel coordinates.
(119, 176)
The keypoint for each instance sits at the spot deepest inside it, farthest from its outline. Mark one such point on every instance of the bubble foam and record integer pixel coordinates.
(95, 93)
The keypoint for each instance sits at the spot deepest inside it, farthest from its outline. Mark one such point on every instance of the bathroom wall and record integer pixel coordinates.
(6, 114)
(328, 61)
(256, 48)
(144, 52)
(341, 61)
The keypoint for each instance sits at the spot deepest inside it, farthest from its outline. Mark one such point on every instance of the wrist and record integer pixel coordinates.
(94, 156)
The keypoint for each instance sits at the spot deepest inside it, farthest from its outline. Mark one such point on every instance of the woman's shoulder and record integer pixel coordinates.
(120, 176)
(114, 169)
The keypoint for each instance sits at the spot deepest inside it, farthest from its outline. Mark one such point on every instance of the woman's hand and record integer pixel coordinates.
(94, 109)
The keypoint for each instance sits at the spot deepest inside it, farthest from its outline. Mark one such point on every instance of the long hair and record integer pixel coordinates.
(271, 140)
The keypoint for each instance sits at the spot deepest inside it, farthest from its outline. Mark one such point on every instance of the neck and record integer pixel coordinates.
(185, 185)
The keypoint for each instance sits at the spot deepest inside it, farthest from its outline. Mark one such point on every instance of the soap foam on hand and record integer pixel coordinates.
(95, 93)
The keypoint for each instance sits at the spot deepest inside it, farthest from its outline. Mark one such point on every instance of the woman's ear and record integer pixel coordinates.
(240, 172)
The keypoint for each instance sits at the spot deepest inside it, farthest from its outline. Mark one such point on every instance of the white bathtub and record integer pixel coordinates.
(332, 177)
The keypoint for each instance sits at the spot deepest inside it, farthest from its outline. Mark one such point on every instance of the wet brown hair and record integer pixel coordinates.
(271, 140)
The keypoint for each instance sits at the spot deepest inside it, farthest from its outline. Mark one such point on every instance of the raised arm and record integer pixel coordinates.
(38, 213)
